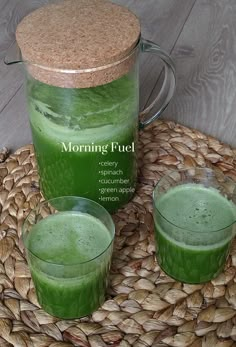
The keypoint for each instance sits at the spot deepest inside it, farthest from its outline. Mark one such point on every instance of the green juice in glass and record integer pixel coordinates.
(85, 139)
(69, 259)
(191, 247)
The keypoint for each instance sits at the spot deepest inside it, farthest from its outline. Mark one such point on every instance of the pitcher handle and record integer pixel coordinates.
(168, 87)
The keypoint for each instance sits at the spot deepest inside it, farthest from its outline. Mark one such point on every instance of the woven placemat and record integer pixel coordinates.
(144, 307)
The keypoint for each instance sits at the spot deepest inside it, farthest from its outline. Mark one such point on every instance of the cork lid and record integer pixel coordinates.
(78, 34)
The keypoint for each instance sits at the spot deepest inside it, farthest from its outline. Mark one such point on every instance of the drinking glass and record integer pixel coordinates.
(194, 215)
(69, 243)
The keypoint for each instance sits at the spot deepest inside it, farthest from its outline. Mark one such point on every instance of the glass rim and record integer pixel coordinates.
(186, 170)
(85, 70)
(79, 198)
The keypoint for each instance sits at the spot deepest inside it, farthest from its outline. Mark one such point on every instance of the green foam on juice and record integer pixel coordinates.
(68, 238)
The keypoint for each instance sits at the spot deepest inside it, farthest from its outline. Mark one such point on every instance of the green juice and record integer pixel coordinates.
(189, 247)
(85, 139)
(68, 263)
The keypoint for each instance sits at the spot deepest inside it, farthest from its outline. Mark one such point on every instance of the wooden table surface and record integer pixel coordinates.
(200, 35)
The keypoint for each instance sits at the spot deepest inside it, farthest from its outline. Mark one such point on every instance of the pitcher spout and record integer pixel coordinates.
(13, 55)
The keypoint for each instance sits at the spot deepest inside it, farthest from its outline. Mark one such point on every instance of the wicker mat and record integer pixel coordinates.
(144, 307)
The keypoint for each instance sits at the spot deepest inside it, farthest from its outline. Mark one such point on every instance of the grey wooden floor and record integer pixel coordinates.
(199, 34)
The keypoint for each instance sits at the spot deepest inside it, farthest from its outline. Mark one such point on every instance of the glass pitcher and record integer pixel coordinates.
(85, 121)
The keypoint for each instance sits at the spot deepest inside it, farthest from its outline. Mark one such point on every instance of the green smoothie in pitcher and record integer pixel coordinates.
(69, 261)
(85, 139)
(193, 230)
(81, 59)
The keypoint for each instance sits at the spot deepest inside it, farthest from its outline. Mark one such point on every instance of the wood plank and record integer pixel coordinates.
(11, 78)
(162, 21)
(205, 57)
(15, 129)
(5, 35)
(11, 13)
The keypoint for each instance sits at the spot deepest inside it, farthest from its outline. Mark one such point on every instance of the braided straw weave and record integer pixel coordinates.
(144, 307)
